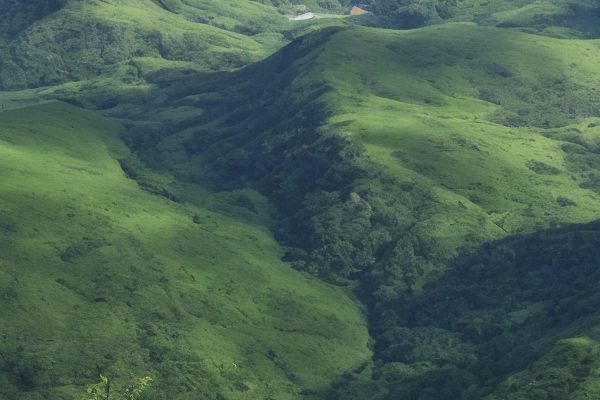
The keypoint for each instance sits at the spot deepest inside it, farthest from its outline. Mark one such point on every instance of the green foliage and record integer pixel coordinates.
(514, 319)
(98, 391)
(105, 390)
(136, 389)
(383, 152)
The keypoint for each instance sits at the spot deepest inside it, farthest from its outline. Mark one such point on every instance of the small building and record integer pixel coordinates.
(357, 11)
(303, 17)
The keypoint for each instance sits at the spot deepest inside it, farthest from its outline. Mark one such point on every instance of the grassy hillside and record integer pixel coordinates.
(103, 274)
(52, 42)
(49, 42)
(421, 169)
(501, 125)
(491, 119)
(386, 152)
(83, 39)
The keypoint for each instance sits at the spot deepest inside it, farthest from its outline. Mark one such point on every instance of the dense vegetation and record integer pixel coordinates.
(363, 203)
(44, 44)
(527, 303)
(443, 176)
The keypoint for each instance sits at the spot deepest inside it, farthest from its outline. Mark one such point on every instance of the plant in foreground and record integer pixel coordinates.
(102, 390)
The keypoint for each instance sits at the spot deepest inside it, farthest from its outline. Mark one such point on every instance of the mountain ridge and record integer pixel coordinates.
(439, 175)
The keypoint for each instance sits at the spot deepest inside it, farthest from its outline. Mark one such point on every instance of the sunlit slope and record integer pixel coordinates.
(503, 125)
(100, 276)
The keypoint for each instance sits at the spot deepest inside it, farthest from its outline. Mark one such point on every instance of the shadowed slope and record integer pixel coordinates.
(18, 15)
(515, 319)
(498, 123)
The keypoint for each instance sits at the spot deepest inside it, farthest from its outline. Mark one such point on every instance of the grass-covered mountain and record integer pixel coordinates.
(497, 124)
(446, 177)
(385, 152)
(48, 42)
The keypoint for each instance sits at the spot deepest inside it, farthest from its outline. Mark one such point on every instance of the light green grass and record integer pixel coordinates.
(19, 99)
(469, 112)
(97, 275)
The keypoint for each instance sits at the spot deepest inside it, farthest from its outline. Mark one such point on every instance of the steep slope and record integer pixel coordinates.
(387, 151)
(103, 274)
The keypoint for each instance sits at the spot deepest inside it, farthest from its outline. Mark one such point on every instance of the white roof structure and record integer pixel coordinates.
(303, 17)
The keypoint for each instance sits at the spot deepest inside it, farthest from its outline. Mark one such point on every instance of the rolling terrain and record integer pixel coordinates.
(383, 174)
(50, 42)
(80, 40)
(244, 208)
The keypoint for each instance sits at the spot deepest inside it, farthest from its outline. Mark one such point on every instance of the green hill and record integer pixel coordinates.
(103, 274)
(447, 176)
(388, 151)
(48, 42)
(500, 125)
